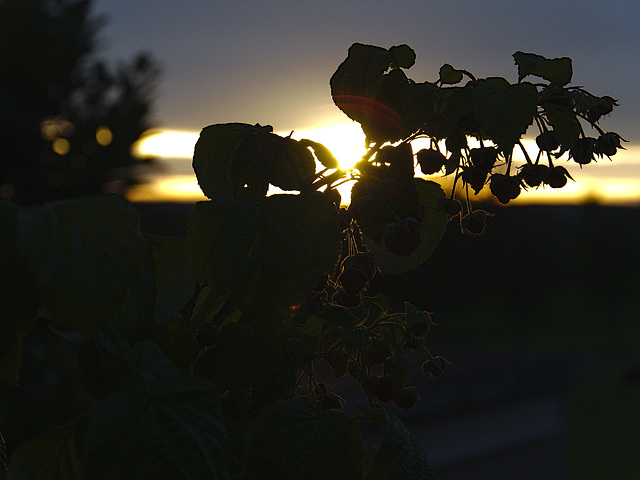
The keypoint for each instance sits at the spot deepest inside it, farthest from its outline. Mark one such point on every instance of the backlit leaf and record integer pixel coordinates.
(274, 248)
(400, 454)
(322, 153)
(51, 456)
(403, 56)
(558, 71)
(449, 75)
(173, 428)
(433, 226)
(237, 160)
(214, 162)
(84, 253)
(358, 84)
(504, 111)
(565, 125)
(175, 278)
(292, 439)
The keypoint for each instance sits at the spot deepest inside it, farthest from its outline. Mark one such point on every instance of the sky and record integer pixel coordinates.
(270, 62)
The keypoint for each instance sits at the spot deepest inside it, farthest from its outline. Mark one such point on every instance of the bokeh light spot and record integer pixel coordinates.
(104, 136)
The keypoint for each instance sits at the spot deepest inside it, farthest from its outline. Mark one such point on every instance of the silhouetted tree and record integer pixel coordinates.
(67, 120)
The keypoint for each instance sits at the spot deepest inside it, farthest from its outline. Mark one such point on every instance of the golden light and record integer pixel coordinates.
(104, 136)
(176, 188)
(61, 146)
(165, 144)
(345, 140)
(596, 181)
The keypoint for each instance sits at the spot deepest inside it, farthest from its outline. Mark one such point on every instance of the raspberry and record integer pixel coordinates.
(430, 160)
(547, 141)
(504, 187)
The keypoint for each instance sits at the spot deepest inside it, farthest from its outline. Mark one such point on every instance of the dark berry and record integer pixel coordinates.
(352, 280)
(475, 223)
(377, 354)
(557, 177)
(547, 141)
(603, 107)
(406, 397)
(456, 142)
(434, 367)
(504, 187)
(475, 177)
(484, 158)
(608, 144)
(451, 206)
(430, 160)
(533, 175)
(582, 152)
(385, 389)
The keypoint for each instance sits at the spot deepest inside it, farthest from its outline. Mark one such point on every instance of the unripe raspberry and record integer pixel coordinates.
(582, 152)
(557, 177)
(547, 141)
(533, 175)
(406, 397)
(504, 187)
(430, 160)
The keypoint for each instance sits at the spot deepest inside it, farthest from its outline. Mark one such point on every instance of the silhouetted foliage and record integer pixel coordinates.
(200, 353)
(67, 120)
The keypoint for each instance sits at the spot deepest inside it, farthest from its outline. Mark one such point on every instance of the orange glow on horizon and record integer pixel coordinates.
(346, 140)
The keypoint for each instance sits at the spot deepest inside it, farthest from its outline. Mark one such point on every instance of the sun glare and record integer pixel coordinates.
(165, 144)
(347, 142)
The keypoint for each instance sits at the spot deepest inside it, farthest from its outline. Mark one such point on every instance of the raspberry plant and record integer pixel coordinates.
(200, 354)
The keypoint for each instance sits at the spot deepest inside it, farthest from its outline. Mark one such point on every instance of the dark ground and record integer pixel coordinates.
(540, 316)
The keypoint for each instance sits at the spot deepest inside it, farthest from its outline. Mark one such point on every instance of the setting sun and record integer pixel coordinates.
(612, 182)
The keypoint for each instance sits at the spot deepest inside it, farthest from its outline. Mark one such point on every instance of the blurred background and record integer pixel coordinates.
(539, 316)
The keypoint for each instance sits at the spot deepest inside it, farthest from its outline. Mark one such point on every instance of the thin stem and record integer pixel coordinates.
(526, 154)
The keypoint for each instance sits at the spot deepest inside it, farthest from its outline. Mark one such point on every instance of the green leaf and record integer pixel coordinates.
(362, 90)
(176, 341)
(51, 456)
(275, 378)
(322, 153)
(216, 167)
(294, 164)
(174, 428)
(146, 359)
(558, 71)
(19, 290)
(209, 303)
(237, 160)
(433, 226)
(84, 253)
(400, 454)
(232, 363)
(249, 362)
(292, 439)
(449, 75)
(273, 249)
(565, 125)
(504, 111)
(175, 278)
(403, 56)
